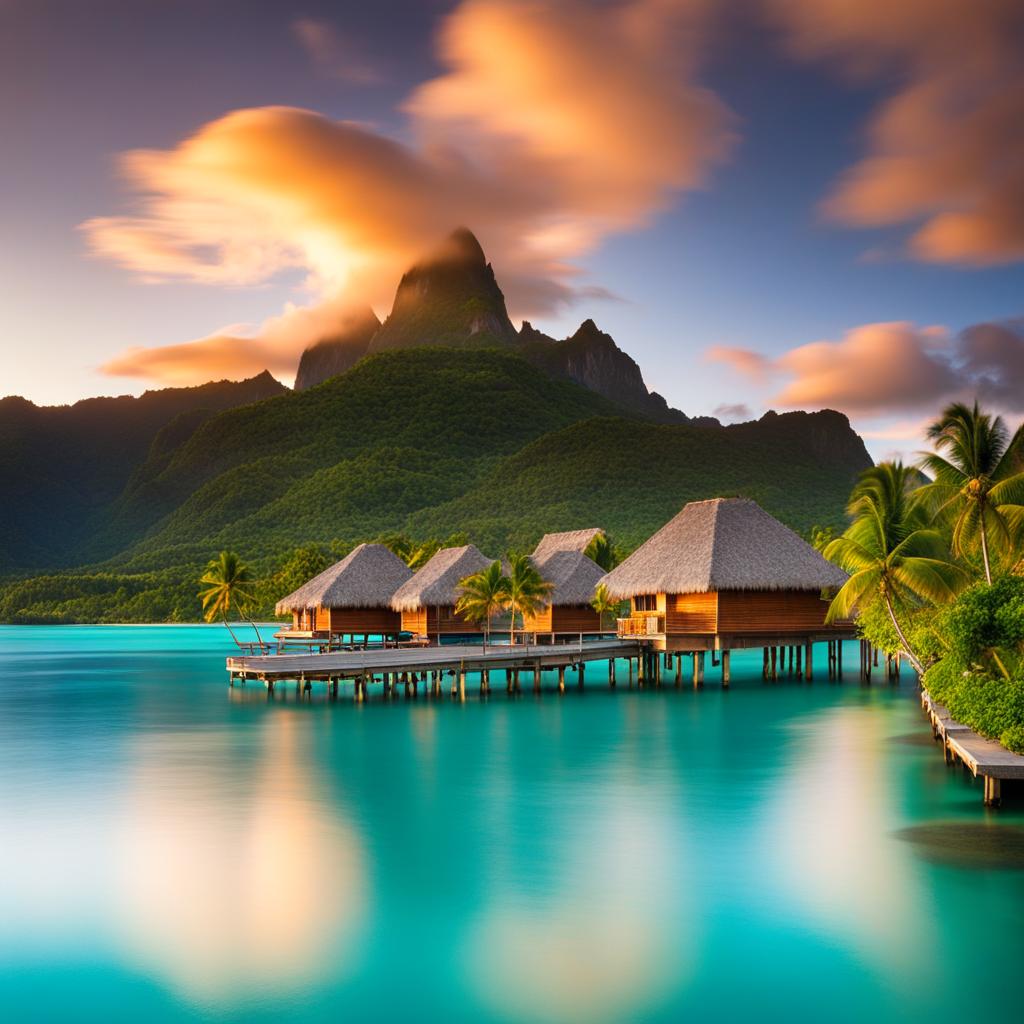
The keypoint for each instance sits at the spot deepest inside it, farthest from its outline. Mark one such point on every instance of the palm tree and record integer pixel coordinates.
(888, 551)
(482, 595)
(978, 479)
(602, 551)
(527, 589)
(227, 583)
(418, 557)
(604, 604)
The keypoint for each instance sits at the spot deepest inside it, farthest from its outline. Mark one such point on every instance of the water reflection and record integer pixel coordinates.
(224, 890)
(608, 939)
(822, 830)
(226, 876)
(967, 845)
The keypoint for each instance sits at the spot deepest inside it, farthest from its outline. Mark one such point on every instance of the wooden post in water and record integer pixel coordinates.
(679, 668)
(696, 670)
(725, 669)
(993, 791)
(536, 677)
(764, 665)
(773, 671)
(839, 659)
(580, 673)
(809, 661)
(799, 660)
(611, 673)
(561, 679)
(462, 683)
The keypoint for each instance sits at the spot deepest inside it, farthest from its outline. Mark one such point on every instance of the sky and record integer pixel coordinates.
(768, 203)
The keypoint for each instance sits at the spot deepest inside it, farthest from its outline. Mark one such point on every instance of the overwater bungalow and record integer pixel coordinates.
(725, 574)
(426, 602)
(351, 598)
(574, 577)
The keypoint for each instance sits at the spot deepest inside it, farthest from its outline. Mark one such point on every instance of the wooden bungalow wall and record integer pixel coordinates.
(425, 622)
(739, 611)
(565, 618)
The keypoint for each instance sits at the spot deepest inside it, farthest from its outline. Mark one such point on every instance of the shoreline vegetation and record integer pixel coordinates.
(936, 568)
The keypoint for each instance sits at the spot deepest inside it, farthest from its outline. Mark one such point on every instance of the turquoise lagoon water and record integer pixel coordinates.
(173, 851)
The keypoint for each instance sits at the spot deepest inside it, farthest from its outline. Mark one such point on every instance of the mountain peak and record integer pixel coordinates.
(450, 298)
(461, 246)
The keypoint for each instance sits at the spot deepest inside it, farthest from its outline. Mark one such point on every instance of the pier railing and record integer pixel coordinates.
(645, 624)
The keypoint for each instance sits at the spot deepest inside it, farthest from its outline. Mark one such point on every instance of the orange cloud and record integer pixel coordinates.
(601, 106)
(239, 350)
(551, 128)
(946, 150)
(877, 368)
(753, 364)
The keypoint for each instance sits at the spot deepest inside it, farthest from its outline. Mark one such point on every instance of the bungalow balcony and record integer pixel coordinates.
(640, 624)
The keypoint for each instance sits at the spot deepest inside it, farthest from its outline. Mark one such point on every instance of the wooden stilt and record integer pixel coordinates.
(725, 669)
(700, 668)
(773, 671)
(764, 665)
(580, 672)
(561, 679)
(696, 670)
(839, 659)
(809, 662)
(629, 665)
(462, 683)
(679, 668)
(536, 677)
(799, 660)
(993, 791)
(611, 672)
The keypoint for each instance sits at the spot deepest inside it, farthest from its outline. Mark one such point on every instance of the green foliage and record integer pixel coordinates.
(526, 591)
(483, 594)
(602, 551)
(604, 604)
(892, 560)
(979, 483)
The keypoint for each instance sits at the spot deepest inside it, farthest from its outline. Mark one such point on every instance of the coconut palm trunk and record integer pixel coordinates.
(984, 547)
(904, 642)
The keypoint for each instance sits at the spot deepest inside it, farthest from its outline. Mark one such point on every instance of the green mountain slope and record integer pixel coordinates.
(428, 442)
(63, 465)
(631, 477)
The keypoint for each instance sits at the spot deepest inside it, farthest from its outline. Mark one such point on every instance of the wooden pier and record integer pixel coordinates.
(981, 756)
(432, 666)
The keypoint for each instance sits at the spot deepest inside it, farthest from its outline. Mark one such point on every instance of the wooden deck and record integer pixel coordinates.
(981, 756)
(391, 665)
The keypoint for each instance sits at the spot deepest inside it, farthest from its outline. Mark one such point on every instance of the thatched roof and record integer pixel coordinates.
(570, 540)
(365, 578)
(573, 574)
(437, 583)
(722, 544)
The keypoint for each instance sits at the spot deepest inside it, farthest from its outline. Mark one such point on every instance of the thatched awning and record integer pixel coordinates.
(569, 540)
(722, 544)
(365, 578)
(436, 585)
(574, 576)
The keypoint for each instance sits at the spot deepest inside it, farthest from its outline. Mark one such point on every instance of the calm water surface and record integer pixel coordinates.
(173, 851)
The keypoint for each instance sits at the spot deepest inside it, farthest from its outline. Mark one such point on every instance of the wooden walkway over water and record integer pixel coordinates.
(430, 666)
(981, 756)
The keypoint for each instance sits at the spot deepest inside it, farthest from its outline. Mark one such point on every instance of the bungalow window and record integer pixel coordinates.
(645, 603)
